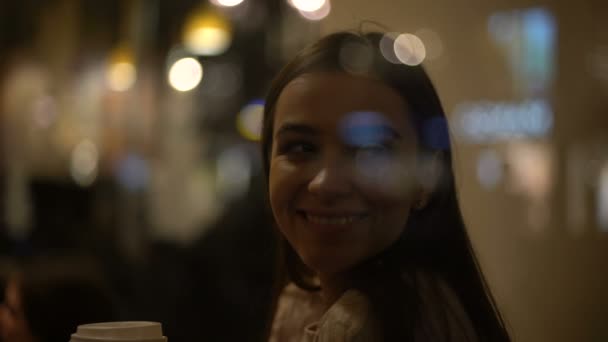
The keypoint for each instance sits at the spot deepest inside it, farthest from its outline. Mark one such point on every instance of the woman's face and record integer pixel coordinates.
(342, 168)
(13, 324)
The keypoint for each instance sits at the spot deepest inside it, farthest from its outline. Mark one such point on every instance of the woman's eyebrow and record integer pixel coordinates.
(366, 133)
(296, 128)
(387, 131)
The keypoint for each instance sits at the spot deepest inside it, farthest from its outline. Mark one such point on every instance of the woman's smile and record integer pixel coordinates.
(325, 221)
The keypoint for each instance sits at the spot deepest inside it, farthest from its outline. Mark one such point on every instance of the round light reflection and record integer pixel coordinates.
(227, 3)
(409, 49)
(308, 5)
(185, 74)
(249, 120)
(84, 163)
(120, 76)
(319, 14)
(387, 47)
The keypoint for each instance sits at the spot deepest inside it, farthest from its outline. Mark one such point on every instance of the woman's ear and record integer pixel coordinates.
(429, 172)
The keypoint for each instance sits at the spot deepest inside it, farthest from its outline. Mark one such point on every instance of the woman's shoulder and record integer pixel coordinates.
(300, 316)
(300, 313)
(441, 313)
(349, 319)
(296, 309)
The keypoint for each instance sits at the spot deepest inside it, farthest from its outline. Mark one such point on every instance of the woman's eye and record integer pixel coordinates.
(297, 148)
(378, 148)
(372, 154)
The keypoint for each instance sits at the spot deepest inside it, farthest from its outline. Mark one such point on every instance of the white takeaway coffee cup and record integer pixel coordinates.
(119, 332)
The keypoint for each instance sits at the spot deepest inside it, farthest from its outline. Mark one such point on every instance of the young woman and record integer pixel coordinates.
(360, 183)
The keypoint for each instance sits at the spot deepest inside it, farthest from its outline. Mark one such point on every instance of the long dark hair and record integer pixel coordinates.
(434, 240)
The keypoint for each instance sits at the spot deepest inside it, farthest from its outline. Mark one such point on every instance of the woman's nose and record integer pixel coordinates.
(331, 180)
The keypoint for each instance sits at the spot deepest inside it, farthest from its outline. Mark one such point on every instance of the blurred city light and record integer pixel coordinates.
(121, 73)
(133, 172)
(84, 163)
(233, 173)
(185, 74)
(527, 38)
(489, 168)
(387, 47)
(409, 49)
(318, 14)
(432, 43)
(226, 3)
(307, 5)
(531, 169)
(121, 76)
(207, 33)
(487, 121)
(249, 120)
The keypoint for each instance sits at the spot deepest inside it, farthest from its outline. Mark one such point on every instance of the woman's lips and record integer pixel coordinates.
(331, 220)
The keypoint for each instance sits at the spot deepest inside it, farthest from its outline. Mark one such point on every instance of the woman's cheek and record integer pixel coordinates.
(282, 181)
(386, 179)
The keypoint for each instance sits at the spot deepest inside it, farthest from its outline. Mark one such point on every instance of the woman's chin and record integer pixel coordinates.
(328, 265)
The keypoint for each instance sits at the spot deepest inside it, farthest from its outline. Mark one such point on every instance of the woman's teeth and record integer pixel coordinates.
(333, 220)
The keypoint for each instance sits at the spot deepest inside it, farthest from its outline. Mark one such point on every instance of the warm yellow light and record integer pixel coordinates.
(121, 73)
(249, 120)
(120, 76)
(185, 74)
(308, 5)
(207, 33)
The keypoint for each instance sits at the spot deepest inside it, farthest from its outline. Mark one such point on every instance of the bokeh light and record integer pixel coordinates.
(307, 5)
(367, 132)
(387, 47)
(84, 163)
(185, 74)
(121, 76)
(234, 170)
(488, 121)
(489, 168)
(121, 73)
(207, 33)
(318, 14)
(409, 49)
(531, 169)
(132, 172)
(226, 3)
(249, 120)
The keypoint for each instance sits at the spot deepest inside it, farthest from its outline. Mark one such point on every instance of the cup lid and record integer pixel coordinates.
(120, 330)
